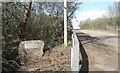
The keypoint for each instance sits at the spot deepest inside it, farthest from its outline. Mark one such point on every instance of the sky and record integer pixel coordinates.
(90, 10)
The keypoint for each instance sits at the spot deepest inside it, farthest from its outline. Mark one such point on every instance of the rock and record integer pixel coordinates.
(30, 50)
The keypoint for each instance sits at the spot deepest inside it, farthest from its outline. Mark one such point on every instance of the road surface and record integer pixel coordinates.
(102, 49)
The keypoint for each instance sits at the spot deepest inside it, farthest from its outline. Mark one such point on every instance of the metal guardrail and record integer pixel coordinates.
(78, 51)
(75, 53)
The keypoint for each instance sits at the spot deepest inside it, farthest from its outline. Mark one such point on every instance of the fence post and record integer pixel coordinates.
(75, 54)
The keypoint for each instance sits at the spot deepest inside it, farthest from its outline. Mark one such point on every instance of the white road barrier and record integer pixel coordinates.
(75, 54)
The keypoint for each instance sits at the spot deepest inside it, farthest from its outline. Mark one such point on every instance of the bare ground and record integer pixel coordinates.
(56, 59)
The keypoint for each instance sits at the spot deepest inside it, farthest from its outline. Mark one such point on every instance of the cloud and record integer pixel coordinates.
(83, 15)
(93, 14)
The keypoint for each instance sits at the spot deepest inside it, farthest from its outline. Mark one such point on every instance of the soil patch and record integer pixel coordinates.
(56, 59)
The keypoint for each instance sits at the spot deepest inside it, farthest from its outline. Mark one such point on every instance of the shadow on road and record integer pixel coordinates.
(84, 62)
(85, 37)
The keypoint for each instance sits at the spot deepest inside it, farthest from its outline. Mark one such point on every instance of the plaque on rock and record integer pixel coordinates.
(29, 45)
(30, 50)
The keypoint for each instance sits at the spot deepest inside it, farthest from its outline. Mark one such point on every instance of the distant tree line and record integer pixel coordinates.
(111, 20)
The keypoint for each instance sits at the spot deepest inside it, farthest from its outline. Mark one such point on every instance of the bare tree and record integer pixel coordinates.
(113, 14)
(26, 16)
(119, 14)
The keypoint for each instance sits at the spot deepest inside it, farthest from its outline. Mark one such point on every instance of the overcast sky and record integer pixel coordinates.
(92, 10)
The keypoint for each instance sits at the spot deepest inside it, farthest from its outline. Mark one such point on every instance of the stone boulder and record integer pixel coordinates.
(30, 50)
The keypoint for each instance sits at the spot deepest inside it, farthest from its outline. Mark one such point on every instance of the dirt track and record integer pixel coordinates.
(102, 49)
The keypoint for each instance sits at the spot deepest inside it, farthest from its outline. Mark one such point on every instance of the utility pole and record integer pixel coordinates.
(65, 23)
